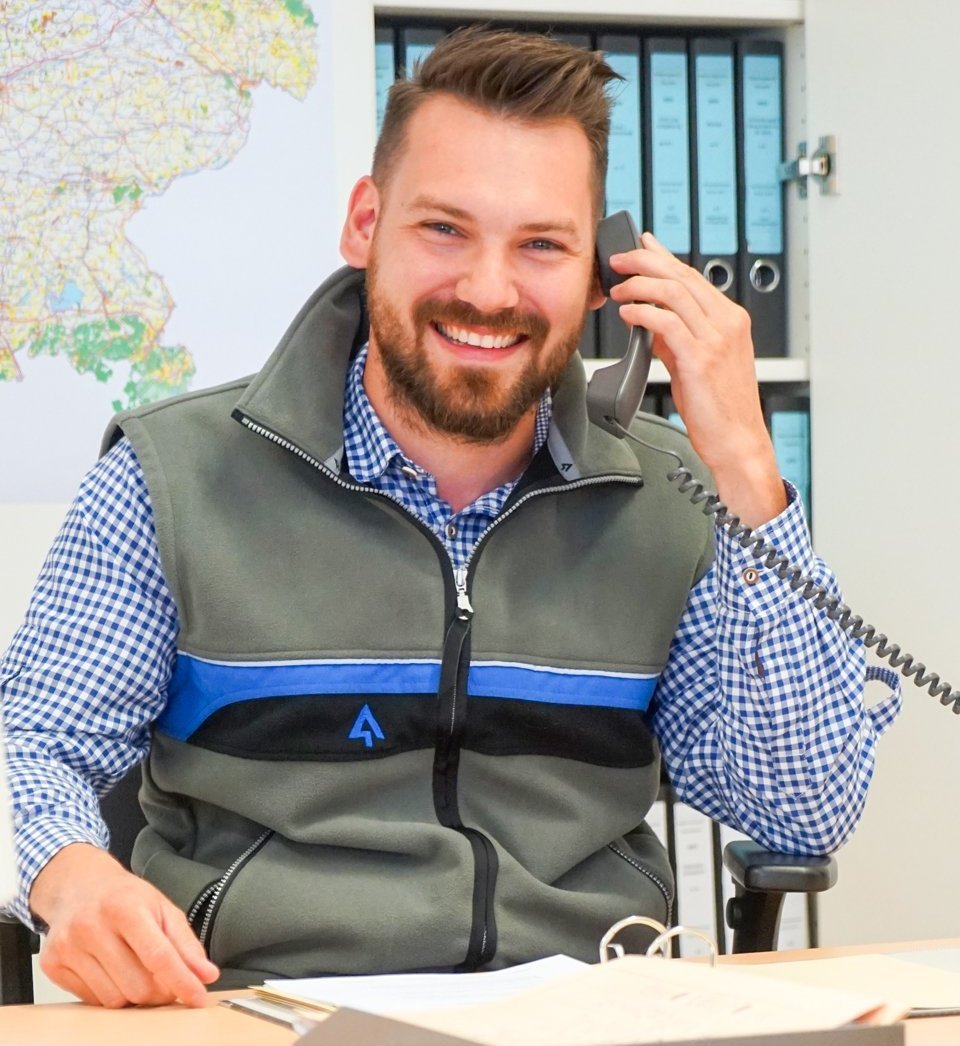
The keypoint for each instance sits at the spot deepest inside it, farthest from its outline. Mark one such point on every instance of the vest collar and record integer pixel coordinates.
(298, 395)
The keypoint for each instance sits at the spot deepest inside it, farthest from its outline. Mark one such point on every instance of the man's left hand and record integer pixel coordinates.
(704, 341)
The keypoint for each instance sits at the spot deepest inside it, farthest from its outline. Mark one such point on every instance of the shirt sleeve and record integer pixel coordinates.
(87, 672)
(760, 709)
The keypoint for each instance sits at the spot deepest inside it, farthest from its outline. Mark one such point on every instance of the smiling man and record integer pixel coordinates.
(400, 635)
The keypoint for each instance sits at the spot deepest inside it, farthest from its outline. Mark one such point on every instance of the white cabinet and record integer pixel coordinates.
(874, 323)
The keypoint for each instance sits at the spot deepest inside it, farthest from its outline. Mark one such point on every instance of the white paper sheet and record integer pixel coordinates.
(408, 992)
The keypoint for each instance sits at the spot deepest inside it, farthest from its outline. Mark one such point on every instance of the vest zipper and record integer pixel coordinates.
(216, 897)
(655, 879)
(453, 680)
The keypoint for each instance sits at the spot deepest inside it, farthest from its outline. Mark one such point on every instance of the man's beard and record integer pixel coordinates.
(468, 402)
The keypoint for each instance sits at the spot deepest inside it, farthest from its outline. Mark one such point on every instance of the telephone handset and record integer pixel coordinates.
(615, 392)
(613, 399)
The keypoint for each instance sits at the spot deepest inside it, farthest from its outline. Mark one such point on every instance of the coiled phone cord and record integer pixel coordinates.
(809, 589)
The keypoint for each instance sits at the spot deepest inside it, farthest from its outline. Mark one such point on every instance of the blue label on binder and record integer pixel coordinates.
(670, 152)
(762, 138)
(716, 155)
(790, 431)
(416, 53)
(623, 170)
(383, 57)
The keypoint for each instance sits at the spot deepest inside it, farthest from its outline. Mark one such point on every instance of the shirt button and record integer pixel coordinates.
(751, 576)
(410, 472)
(451, 530)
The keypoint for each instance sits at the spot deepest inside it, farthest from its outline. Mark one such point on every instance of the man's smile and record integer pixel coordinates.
(464, 336)
(482, 339)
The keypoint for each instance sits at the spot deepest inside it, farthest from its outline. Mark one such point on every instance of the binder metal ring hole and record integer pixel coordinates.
(765, 275)
(719, 273)
(607, 944)
(661, 944)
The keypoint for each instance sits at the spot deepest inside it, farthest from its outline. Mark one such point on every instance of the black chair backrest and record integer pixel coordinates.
(121, 810)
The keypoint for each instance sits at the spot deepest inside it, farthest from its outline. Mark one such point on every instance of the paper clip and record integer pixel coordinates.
(609, 949)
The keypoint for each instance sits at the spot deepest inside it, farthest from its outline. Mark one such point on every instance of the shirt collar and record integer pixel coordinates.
(370, 449)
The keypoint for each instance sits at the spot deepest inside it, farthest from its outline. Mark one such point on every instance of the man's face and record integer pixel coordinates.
(480, 269)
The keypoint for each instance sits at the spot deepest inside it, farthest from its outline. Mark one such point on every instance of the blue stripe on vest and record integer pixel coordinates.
(199, 688)
(561, 686)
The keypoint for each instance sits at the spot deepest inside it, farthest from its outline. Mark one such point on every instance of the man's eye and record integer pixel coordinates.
(544, 245)
(442, 227)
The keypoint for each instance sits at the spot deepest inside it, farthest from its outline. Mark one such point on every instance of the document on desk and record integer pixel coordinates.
(630, 1000)
(645, 1000)
(924, 981)
(396, 993)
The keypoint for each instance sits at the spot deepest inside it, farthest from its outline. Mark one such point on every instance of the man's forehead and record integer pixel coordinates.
(454, 148)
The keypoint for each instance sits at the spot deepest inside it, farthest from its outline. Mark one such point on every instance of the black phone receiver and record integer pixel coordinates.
(614, 393)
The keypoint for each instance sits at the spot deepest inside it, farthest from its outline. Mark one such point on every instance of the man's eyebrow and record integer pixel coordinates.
(430, 203)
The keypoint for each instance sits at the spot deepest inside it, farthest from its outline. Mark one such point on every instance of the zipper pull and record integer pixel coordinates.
(464, 607)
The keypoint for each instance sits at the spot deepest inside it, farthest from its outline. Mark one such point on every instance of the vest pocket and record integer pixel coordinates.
(202, 914)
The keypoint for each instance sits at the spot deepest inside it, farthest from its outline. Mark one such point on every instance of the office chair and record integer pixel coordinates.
(761, 879)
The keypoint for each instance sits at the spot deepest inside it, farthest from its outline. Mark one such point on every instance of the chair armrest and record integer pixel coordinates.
(762, 878)
(755, 869)
(18, 945)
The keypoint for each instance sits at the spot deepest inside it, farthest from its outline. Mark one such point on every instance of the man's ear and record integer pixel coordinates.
(362, 213)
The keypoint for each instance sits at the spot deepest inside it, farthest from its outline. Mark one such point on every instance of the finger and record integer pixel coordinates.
(656, 260)
(135, 981)
(670, 294)
(88, 971)
(150, 941)
(70, 982)
(672, 337)
(188, 945)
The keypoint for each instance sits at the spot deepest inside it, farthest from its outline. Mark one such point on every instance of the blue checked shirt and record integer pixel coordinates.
(759, 710)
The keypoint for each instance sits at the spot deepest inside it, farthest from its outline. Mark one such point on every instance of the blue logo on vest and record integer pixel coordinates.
(366, 728)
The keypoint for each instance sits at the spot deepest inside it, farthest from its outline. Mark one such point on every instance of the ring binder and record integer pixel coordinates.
(660, 943)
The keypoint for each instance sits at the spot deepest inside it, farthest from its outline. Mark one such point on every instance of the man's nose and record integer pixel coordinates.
(489, 284)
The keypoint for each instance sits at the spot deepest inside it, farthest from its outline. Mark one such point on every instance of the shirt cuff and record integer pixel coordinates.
(745, 581)
(36, 844)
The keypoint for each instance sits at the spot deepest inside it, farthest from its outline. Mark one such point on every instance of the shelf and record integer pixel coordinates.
(769, 370)
(676, 12)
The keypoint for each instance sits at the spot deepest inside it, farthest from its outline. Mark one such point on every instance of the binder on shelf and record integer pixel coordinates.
(623, 183)
(415, 45)
(762, 233)
(713, 162)
(788, 418)
(696, 906)
(385, 59)
(623, 188)
(666, 125)
(583, 40)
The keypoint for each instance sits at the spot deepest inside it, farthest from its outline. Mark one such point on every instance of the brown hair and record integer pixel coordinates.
(527, 76)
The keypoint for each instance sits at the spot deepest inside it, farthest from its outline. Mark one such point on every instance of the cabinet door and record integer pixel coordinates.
(885, 363)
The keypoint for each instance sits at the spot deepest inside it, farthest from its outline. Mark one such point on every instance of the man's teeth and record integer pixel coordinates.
(479, 341)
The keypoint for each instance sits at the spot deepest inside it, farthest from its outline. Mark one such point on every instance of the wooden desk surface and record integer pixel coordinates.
(72, 1024)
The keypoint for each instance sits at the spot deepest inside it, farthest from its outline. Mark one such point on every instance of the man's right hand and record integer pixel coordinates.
(114, 939)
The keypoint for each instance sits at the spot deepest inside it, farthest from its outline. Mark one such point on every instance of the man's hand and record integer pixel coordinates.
(704, 341)
(114, 939)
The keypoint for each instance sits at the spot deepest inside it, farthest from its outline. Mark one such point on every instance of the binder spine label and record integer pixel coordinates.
(670, 153)
(623, 171)
(385, 73)
(716, 155)
(763, 134)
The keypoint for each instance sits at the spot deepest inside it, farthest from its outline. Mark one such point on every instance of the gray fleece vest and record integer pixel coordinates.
(368, 761)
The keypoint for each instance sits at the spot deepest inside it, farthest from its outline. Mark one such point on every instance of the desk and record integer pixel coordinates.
(72, 1024)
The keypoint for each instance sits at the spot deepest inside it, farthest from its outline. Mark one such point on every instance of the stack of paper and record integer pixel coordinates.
(631, 1000)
